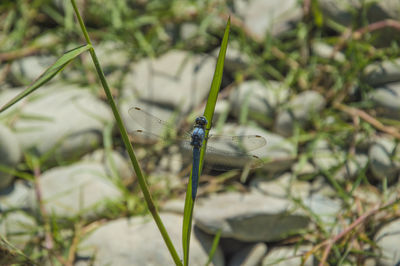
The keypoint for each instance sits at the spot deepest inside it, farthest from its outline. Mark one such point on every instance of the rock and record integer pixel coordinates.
(324, 208)
(284, 186)
(27, 69)
(10, 154)
(249, 217)
(268, 17)
(386, 99)
(258, 100)
(137, 241)
(249, 256)
(288, 256)
(303, 169)
(326, 156)
(299, 110)
(116, 166)
(382, 72)
(388, 241)
(383, 162)
(353, 166)
(328, 52)
(347, 12)
(178, 80)
(82, 189)
(18, 227)
(61, 119)
(20, 196)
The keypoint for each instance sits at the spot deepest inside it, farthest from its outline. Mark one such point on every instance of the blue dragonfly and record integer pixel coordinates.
(234, 154)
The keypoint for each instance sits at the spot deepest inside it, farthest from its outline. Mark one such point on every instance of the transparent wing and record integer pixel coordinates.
(245, 142)
(151, 124)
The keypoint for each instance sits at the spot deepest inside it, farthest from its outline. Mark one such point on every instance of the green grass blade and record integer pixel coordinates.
(48, 74)
(214, 247)
(208, 113)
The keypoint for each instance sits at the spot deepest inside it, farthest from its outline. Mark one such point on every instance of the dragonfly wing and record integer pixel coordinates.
(230, 159)
(151, 123)
(243, 143)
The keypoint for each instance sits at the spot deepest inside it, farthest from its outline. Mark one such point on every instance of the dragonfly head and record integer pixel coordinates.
(201, 121)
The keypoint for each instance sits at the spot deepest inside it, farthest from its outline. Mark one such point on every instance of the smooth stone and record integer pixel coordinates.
(284, 186)
(29, 68)
(189, 31)
(303, 169)
(288, 256)
(258, 100)
(328, 52)
(268, 17)
(177, 80)
(251, 255)
(388, 241)
(249, 217)
(10, 154)
(137, 241)
(117, 167)
(345, 12)
(325, 208)
(18, 227)
(381, 163)
(64, 119)
(383, 72)
(386, 99)
(20, 195)
(299, 110)
(326, 156)
(83, 188)
(353, 166)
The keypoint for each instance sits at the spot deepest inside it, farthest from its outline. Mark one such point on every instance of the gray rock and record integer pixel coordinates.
(383, 162)
(299, 110)
(235, 59)
(137, 241)
(249, 256)
(268, 17)
(63, 119)
(353, 166)
(249, 217)
(387, 99)
(288, 256)
(18, 196)
(383, 72)
(27, 69)
(116, 166)
(345, 12)
(79, 189)
(259, 100)
(326, 156)
(388, 241)
(326, 51)
(325, 208)
(10, 154)
(303, 169)
(284, 186)
(18, 227)
(177, 80)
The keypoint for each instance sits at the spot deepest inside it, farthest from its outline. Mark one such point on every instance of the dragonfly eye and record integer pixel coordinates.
(201, 120)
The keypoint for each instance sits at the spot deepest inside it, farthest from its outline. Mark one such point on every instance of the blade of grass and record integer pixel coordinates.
(208, 113)
(48, 74)
(214, 247)
(142, 182)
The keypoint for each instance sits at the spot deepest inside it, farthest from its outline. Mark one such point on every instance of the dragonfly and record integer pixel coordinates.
(216, 149)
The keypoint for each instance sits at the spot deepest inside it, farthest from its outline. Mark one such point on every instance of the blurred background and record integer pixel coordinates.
(318, 79)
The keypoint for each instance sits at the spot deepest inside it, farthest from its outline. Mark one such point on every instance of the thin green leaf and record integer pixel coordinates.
(48, 74)
(214, 247)
(208, 113)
